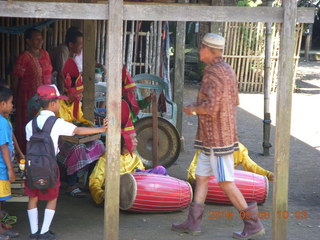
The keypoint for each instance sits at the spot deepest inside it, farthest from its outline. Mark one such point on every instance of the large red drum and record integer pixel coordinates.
(254, 188)
(147, 192)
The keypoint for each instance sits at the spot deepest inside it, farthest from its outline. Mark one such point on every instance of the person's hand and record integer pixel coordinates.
(189, 110)
(271, 177)
(12, 176)
(105, 124)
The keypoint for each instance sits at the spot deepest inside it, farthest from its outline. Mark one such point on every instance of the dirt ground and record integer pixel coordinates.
(80, 219)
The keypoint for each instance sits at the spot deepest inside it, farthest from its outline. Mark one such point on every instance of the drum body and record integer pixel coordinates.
(254, 188)
(146, 192)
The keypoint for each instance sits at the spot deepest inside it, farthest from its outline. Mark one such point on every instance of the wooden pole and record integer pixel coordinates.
(284, 102)
(114, 54)
(179, 61)
(154, 129)
(267, 88)
(89, 60)
(307, 45)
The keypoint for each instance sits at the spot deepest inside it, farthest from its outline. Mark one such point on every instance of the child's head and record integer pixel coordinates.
(6, 105)
(49, 97)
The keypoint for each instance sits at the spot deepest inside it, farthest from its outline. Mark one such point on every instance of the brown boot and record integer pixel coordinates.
(192, 224)
(253, 227)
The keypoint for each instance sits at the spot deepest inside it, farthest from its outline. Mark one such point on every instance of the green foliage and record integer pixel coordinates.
(249, 3)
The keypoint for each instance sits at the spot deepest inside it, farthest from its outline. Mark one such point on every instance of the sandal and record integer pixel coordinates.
(77, 193)
(11, 234)
(9, 219)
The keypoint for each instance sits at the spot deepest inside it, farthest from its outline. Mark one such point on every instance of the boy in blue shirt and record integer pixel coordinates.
(7, 174)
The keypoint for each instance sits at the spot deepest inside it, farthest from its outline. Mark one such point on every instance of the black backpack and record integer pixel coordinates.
(41, 166)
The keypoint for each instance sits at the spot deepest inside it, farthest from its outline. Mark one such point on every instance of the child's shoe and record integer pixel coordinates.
(34, 236)
(48, 235)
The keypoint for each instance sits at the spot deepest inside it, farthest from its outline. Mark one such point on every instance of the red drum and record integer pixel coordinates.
(147, 192)
(254, 188)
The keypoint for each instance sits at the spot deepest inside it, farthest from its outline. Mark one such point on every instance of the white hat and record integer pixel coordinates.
(213, 40)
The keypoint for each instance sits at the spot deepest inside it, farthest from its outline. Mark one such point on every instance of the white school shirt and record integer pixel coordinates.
(60, 127)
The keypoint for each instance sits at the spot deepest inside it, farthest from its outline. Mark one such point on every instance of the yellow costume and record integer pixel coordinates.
(66, 113)
(128, 164)
(240, 157)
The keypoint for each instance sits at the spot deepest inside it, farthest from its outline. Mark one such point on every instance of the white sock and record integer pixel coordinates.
(33, 219)
(48, 216)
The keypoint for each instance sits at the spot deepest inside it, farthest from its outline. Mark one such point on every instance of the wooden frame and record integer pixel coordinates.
(115, 11)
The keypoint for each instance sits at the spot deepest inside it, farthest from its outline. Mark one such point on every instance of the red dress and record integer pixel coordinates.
(32, 73)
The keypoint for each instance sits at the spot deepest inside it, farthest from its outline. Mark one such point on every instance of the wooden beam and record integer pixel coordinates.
(179, 62)
(89, 63)
(150, 12)
(114, 66)
(283, 116)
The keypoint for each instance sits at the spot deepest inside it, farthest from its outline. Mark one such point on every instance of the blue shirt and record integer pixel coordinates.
(5, 138)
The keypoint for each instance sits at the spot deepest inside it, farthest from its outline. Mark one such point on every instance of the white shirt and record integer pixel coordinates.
(60, 127)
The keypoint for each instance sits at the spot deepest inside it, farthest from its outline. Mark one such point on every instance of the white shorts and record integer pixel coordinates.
(222, 167)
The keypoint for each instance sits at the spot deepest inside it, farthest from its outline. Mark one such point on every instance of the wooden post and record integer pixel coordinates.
(284, 102)
(114, 55)
(89, 61)
(267, 88)
(179, 61)
(154, 129)
(217, 27)
(307, 45)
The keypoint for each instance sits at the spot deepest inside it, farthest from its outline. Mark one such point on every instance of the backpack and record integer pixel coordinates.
(41, 166)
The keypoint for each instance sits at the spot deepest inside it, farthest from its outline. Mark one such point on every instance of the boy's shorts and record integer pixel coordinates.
(45, 195)
(222, 167)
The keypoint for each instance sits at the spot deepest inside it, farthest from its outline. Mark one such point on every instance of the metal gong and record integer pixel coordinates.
(169, 143)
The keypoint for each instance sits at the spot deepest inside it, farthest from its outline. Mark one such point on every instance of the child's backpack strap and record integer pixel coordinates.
(35, 127)
(47, 127)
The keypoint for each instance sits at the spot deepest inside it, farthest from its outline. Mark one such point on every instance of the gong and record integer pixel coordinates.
(169, 143)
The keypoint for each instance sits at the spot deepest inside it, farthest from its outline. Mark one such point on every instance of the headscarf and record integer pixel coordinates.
(72, 83)
(127, 86)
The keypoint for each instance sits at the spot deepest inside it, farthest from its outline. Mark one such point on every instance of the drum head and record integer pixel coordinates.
(128, 191)
(169, 143)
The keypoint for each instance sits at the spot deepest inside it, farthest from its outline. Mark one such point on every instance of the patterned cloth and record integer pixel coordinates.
(32, 73)
(77, 157)
(218, 95)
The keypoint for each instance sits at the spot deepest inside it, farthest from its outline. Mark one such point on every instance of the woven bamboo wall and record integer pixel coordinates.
(246, 54)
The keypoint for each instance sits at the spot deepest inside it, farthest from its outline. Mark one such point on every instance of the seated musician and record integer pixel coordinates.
(76, 158)
(240, 157)
(129, 161)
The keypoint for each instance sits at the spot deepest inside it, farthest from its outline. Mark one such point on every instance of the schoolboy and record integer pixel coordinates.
(49, 101)
(7, 174)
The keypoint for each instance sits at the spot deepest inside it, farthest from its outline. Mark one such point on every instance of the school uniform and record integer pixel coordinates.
(60, 127)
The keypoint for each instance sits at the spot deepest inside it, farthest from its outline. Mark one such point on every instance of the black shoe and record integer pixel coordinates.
(48, 235)
(34, 236)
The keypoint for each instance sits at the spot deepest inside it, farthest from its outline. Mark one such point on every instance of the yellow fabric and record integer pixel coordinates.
(240, 157)
(128, 164)
(5, 188)
(66, 113)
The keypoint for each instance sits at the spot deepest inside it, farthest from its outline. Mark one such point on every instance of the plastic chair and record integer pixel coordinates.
(157, 84)
(99, 101)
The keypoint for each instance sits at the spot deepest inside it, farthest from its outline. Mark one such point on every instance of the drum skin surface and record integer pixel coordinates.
(254, 188)
(146, 192)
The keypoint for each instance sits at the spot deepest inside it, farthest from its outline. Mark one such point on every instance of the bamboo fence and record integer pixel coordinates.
(245, 52)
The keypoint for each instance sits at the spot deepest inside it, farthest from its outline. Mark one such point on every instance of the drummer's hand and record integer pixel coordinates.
(105, 123)
(271, 177)
(189, 110)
